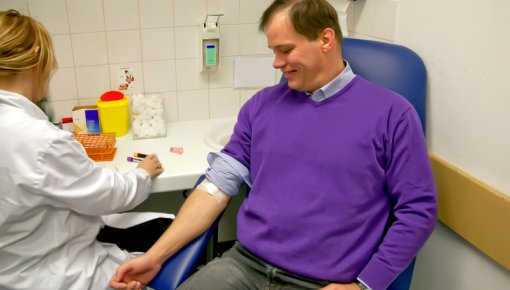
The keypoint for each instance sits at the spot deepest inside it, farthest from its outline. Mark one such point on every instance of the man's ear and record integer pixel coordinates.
(327, 38)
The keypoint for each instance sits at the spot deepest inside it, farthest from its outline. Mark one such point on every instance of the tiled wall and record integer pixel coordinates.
(373, 19)
(159, 40)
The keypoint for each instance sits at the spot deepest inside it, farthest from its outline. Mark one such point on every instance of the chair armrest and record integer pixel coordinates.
(181, 265)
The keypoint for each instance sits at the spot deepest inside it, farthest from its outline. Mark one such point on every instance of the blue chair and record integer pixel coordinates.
(401, 70)
(392, 66)
(176, 269)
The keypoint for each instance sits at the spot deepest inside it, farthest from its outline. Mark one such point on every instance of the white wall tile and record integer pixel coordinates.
(156, 13)
(189, 12)
(246, 94)
(224, 102)
(193, 105)
(63, 50)
(62, 108)
(52, 14)
(224, 76)
(189, 75)
(89, 48)
(250, 11)
(254, 72)
(188, 44)
(350, 17)
(385, 19)
(85, 16)
(229, 40)
(278, 76)
(363, 15)
(171, 110)
(92, 81)
(87, 102)
(63, 85)
(21, 6)
(136, 68)
(121, 14)
(103, 35)
(124, 46)
(252, 41)
(159, 76)
(158, 44)
(229, 9)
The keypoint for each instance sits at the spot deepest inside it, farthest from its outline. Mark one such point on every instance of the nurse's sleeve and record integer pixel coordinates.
(70, 179)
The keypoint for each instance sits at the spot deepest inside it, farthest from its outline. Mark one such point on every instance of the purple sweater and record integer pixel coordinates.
(326, 179)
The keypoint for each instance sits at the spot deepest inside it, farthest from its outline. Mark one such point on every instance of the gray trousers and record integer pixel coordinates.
(238, 269)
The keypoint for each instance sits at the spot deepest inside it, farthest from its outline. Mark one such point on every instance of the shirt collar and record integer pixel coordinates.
(334, 86)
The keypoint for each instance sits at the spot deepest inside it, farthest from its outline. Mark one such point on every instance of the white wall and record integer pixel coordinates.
(464, 44)
(159, 39)
(448, 262)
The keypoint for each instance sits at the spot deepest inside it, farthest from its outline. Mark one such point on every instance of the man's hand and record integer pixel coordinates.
(152, 165)
(135, 274)
(334, 286)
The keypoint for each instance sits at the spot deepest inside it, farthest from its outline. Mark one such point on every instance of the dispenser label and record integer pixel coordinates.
(210, 55)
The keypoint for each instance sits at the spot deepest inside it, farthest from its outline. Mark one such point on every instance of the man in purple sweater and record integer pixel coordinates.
(342, 195)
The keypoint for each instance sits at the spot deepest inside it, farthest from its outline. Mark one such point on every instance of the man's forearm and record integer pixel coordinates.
(196, 215)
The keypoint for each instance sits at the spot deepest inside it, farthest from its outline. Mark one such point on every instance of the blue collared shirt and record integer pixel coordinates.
(228, 174)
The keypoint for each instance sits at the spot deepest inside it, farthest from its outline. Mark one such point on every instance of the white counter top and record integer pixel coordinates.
(181, 171)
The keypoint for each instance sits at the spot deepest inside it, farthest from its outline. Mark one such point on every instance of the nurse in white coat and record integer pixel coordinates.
(51, 194)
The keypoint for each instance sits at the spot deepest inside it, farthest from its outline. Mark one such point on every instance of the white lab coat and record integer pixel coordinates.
(51, 199)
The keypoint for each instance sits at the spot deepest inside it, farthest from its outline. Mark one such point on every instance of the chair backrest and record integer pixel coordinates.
(392, 66)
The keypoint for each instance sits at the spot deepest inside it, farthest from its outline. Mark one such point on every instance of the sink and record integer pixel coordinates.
(218, 135)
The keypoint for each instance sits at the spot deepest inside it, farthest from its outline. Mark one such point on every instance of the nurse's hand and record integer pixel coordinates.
(135, 274)
(152, 165)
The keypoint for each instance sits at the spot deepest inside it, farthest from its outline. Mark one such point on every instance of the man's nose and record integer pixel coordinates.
(278, 62)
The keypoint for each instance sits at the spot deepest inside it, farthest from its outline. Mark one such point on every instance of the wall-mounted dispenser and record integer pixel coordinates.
(210, 44)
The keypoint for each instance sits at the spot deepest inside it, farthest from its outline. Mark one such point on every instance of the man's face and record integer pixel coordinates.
(299, 59)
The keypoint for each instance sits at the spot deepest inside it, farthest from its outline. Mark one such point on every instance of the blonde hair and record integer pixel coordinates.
(24, 44)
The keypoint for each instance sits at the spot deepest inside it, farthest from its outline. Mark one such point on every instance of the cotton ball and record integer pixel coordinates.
(151, 112)
(145, 115)
(138, 103)
(137, 127)
(159, 128)
(159, 111)
(148, 115)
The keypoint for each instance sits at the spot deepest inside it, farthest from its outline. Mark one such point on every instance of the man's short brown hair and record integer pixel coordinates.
(309, 17)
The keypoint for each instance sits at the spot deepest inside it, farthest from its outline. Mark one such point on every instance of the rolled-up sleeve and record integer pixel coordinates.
(227, 173)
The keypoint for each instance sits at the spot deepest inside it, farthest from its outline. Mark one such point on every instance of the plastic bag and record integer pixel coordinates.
(147, 116)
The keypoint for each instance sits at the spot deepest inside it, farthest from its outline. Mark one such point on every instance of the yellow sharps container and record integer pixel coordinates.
(113, 113)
